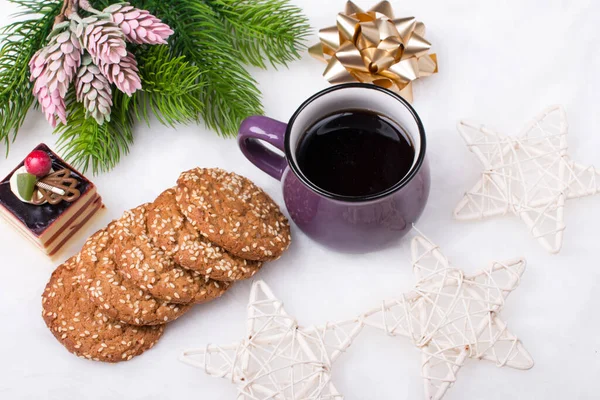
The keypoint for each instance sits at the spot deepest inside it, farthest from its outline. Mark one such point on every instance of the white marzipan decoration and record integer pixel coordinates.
(530, 176)
(15, 189)
(448, 316)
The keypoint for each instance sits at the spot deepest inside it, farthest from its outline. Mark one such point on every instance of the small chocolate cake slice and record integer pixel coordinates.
(51, 224)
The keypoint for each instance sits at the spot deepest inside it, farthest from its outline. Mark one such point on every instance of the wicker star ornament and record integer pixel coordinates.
(530, 175)
(451, 317)
(277, 359)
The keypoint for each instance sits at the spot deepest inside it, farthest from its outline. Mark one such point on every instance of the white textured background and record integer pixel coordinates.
(501, 62)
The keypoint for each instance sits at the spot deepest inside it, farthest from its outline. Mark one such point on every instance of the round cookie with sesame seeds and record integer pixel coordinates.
(169, 229)
(115, 295)
(234, 213)
(83, 328)
(151, 269)
(146, 266)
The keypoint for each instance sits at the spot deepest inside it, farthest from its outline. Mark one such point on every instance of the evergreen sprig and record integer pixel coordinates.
(172, 88)
(271, 29)
(20, 40)
(200, 73)
(230, 93)
(90, 146)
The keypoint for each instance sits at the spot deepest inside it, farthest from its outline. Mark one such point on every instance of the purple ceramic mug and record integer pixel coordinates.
(350, 224)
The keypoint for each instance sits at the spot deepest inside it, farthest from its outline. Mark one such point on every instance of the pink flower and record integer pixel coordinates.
(94, 91)
(52, 103)
(123, 75)
(37, 64)
(104, 40)
(53, 69)
(139, 26)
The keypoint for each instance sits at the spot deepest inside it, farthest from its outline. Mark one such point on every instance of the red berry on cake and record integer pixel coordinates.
(38, 163)
(47, 200)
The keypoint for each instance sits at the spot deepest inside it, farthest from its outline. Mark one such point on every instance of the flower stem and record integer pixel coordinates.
(69, 6)
(85, 5)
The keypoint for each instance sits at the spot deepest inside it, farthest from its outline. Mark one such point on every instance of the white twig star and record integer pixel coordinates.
(530, 175)
(450, 317)
(278, 359)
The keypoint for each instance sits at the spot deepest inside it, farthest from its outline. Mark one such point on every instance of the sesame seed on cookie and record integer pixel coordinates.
(234, 213)
(118, 297)
(83, 328)
(152, 269)
(170, 230)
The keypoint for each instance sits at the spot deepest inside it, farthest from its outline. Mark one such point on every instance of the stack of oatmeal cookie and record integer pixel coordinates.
(111, 301)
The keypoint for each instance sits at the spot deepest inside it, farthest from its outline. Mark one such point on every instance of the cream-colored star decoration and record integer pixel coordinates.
(450, 316)
(530, 175)
(278, 359)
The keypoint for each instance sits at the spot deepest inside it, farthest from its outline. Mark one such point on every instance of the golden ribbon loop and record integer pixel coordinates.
(372, 46)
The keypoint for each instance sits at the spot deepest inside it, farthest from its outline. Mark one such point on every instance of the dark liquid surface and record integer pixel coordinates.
(355, 153)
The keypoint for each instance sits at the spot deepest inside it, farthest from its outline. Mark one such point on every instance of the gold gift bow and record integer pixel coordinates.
(375, 47)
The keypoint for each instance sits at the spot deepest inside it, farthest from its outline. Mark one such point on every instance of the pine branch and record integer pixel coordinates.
(200, 72)
(20, 40)
(171, 87)
(230, 93)
(271, 29)
(97, 147)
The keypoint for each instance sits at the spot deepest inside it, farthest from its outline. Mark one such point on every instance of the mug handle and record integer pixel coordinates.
(252, 132)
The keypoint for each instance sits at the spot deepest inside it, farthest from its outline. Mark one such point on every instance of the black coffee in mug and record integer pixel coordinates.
(355, 153)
